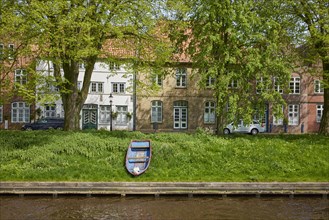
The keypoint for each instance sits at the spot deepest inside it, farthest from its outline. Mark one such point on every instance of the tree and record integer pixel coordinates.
(236, 42)
(314, 17)
(71, 32)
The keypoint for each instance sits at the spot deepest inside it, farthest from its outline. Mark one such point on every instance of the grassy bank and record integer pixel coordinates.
(99, 156)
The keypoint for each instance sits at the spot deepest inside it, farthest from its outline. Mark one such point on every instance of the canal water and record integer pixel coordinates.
(84, 208)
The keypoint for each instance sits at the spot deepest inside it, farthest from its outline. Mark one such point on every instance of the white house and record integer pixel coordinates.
(107, 80)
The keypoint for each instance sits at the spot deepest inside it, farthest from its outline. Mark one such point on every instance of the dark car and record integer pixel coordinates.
(44, 124)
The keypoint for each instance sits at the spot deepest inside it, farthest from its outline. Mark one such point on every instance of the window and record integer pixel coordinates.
(157, 80)
(118, 87)
(277, 120)
(318, 86)
(50, 111)
(209, 112)
(294, 85)
(261, 85)
(210, 81)
(11, 51)
(319, 112)
(114, 66)
(233, 84)
(1, 113)
(181, 77)
(104, 113)
(260, 115)
(156, 111)
(277, 86)
(180, 114)
(53, 87)
(293, 115)
(96, 87)
(20, 112)
(20, 76)
(122, 114)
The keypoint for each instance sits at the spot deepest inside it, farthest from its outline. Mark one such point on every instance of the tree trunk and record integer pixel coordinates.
(72, 110)
(324, 125)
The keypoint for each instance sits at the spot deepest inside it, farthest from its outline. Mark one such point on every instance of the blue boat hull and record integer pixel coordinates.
(138, 156)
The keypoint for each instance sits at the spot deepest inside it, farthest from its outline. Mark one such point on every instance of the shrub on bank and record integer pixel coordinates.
(99, 156)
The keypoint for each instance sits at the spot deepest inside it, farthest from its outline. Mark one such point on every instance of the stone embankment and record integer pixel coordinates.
(223, 189)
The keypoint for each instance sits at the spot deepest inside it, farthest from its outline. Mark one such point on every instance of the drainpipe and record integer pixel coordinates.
(134, 101)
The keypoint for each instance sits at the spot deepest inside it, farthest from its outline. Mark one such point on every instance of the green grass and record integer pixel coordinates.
(99, 156)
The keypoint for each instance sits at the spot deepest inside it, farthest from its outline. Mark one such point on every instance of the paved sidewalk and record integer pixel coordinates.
(166, 188)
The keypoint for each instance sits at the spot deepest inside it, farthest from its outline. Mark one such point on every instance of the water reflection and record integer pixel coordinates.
(163, 208)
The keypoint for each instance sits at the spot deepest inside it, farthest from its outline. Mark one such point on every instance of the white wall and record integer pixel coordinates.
(101, 74)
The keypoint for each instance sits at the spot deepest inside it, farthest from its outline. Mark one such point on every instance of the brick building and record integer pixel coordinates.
(179, 105)
(14, 71)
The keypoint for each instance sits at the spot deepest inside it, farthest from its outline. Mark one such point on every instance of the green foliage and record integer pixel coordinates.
(237, 40)
(71, 32)
(99, 156)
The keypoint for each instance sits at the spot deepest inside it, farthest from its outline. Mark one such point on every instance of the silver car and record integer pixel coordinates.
(253, 128)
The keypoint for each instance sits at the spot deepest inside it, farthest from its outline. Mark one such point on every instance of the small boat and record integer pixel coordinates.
(138, 156)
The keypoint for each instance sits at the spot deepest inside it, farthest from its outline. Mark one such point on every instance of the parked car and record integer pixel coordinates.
(253, 128)
(44, 124)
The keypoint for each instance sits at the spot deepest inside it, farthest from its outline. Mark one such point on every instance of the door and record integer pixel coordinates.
(180, 115)
(89, 119)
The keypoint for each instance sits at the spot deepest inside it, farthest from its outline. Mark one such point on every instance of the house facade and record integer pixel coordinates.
(304, 108)
(180, 105)
(177, 103)
(14, 72)
(109, 95)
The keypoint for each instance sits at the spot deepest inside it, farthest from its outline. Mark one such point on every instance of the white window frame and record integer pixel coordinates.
(180, 114)
(96, 87)
(104, 113)
(114, 66)
(118, 87)
(209, 116)
(319, 113)
(1, 113)
(210, 81)
(318, 87)
(260, 81)
(156, 111)
(122, 114)
(233, 84)
(277, 86)
(20, 112)
(181, 77)
(293, 114)
(157, 80)
(50, 110)
(278, 121)
(20, 76)
(294, 85)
